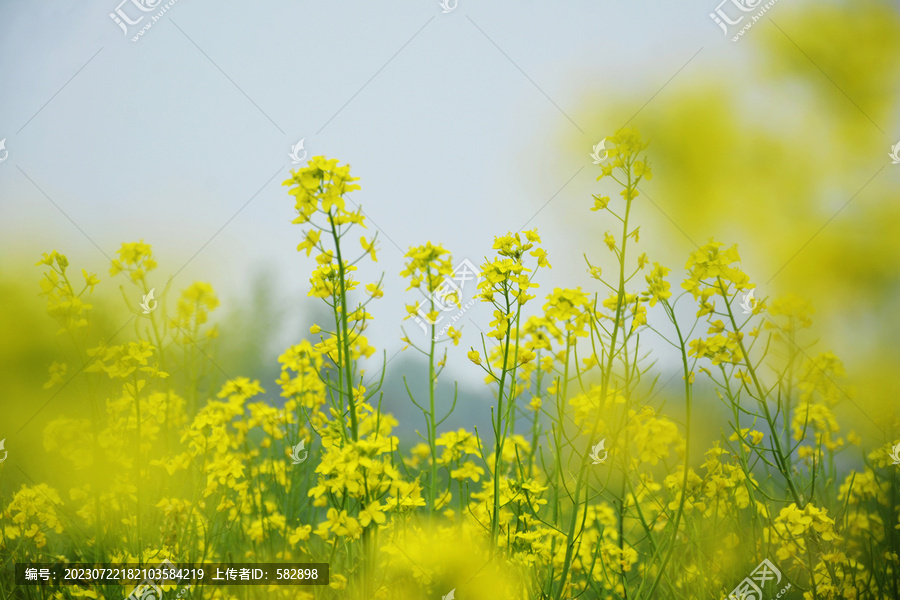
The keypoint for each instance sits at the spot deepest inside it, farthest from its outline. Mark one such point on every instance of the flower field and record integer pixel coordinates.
(587, 485)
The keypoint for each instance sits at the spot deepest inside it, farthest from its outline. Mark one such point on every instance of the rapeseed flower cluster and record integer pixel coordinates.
(31, 515)
(63, 303)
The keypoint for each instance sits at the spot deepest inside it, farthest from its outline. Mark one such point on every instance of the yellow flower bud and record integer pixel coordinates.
(474, 356)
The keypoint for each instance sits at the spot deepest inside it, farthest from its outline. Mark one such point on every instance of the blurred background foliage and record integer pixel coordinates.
(788, 157)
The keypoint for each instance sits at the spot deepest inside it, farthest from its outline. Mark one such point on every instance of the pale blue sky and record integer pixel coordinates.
(455, 123)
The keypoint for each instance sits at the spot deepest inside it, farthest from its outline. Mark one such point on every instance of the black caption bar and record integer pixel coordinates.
(56, 574)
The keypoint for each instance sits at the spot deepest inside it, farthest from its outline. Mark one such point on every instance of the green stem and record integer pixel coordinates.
(346, 367)
(687, 455)
(137, 407)
(604, 390)
(432, 427)
(781, 460)
(498, 431)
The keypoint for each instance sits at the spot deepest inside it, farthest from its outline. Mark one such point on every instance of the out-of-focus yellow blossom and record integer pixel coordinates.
(240, 389)
(368, 246)
(820, 420)
(337, 581)
(753, 436)
(135, 259)
(339, 523)
(64, 304)
(456, 445)
(196, 302)
(790, 314)
(32, 514)
(122, 362)
(374, 290)
(653, 436)
(658, 288)
(600, 202)
(57, 374)
(299, 534)
(467, 470)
